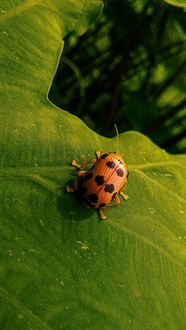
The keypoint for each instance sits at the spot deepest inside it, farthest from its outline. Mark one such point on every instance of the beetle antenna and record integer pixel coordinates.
(117, 136)
(117, 144)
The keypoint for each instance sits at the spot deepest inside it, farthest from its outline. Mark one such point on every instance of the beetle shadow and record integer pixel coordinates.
(71, 206)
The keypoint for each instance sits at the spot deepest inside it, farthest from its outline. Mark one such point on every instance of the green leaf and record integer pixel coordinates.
(177, 3)
(60, 266)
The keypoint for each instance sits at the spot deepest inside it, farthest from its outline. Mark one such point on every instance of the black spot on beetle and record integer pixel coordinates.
(88, 176)
(84, 190)
(99, 179)
(110, 164)
(93, 198)
(109, 188)
(87, 202)
(104, 156)
(102, 204)
(120, 172)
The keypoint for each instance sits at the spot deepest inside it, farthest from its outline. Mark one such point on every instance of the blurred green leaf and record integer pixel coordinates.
(132, 62)
(60, 266)
(177, 3)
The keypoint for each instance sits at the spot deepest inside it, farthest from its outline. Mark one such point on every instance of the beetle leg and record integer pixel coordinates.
(116, 200)
(98, 154)
(102, 216)
(75, 164)
(75, 185)
(125, 197)
(80, 173)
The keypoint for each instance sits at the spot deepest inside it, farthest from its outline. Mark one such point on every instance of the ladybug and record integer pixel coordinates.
(102, 183)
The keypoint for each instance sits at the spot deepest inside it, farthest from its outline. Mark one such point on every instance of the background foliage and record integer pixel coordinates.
(129, 69)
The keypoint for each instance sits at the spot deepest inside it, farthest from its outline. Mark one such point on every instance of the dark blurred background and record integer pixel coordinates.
(128, 69)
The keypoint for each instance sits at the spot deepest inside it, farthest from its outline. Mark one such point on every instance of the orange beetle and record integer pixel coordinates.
(102, 183)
